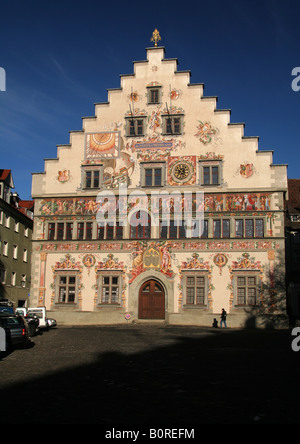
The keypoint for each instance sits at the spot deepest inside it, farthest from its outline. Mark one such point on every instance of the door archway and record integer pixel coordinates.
(151, 300)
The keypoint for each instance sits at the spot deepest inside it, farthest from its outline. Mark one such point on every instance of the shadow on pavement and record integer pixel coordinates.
(225, 376)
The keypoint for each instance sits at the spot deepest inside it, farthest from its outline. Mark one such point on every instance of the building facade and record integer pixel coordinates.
(292, 235)
(158, 209)
(16, 224)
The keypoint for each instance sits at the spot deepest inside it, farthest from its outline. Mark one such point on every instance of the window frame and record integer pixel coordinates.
(247, 287)
(132, 122)
(169, 119)
(195, 274)
(59, 285)
(210, 165)
(151, 89)
(153, 166)
(100, 285)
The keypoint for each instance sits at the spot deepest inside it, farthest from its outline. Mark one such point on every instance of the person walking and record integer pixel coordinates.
(223, 318)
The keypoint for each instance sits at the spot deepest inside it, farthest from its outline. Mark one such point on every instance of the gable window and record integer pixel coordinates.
(152, 174)
(153, 95)
(172, 125)
(92, 177)
(210, 174)
(135, 126)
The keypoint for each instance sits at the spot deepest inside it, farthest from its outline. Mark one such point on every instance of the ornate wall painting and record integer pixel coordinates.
(246, 170)
(220, 260)
(154, 255)
(118, 171)
(175, 94)
(181, 170)
(104, 145)
(63, 176)
(207, 134)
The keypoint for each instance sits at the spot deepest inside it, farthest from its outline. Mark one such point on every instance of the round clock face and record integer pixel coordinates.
(182, 171)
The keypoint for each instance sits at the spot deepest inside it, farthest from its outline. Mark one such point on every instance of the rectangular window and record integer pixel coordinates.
(60, 231)
(69, 230)
(195, 290)
(172, 125)
(249, 228)
(15, 252)
(25, 253)
(80, 230)
(5, 248)
(153, 95)
(89, 230)
(67, 289)
(92, 179)
(210, 175)
(135, 127)
(153, 177)
(239, 228)
(13, 278)
(51, 231)
(109, 289)
(246, 290)
(172, 230)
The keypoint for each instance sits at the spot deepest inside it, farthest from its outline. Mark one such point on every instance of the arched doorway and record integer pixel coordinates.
(151, 300)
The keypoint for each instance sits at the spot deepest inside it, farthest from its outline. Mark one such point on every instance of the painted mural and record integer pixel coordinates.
(238, 202)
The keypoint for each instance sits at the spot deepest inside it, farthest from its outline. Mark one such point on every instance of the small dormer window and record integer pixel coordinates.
(153, 95)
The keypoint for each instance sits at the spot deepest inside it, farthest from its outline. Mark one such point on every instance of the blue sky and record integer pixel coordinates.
(60, 57)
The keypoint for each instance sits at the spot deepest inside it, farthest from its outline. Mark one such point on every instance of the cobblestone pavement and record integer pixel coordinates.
(152, 374)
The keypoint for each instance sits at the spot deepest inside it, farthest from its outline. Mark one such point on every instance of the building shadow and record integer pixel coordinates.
(214, 376)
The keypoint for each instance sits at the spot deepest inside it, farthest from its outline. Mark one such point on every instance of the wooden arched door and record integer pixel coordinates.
(151, 300)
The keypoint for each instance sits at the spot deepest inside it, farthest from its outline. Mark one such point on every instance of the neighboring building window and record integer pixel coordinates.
(172, 125)
(7, 221)
(67, 285)
(5, 248)
(26, 231)
(25, 253)
(16, 227)
(2, 275)
(195, 289)
(246, 290)
(140, 225)
(135, 126)
(15, 252)
(109, 288)
(13, 278)
(249, 228)
(153, 95)
(23, 281)
(221, 228)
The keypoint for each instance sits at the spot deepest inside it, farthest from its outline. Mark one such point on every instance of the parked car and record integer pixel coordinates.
(32, 320)
(40, 312)
(6, 306)
(51, 322)
(16, 329)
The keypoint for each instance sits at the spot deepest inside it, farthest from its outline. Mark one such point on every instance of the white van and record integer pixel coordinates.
(40, 312)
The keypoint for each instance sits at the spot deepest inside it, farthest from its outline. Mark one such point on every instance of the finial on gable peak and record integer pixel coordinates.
(155, 37)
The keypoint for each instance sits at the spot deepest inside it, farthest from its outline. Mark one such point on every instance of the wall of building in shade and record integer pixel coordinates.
(107, 241)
